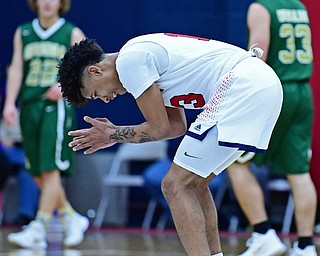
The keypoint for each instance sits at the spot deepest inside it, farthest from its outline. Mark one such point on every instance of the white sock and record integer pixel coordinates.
(218, 254)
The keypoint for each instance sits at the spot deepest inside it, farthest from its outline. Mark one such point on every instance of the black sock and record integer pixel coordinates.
(262, 227)
(304, 241)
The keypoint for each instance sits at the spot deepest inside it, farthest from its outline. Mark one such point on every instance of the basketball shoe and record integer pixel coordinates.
(74, 227)
(308, 251)
(33, 236)
(268, 244)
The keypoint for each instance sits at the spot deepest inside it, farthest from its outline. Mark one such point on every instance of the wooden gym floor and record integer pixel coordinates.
(126, 242)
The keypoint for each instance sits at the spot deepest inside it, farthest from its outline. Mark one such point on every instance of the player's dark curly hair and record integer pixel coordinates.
(76, 59)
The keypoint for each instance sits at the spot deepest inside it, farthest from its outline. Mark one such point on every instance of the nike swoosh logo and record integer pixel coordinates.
(186, 154)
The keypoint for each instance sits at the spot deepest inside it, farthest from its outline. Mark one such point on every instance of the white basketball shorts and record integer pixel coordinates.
(239, 117)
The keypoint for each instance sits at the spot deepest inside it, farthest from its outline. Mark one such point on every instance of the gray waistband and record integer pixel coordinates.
(237, 58)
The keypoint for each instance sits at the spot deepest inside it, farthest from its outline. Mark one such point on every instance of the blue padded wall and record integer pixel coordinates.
(113, 22)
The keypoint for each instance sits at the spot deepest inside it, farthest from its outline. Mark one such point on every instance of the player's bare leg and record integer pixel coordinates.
(50, 192)
(210, 214)
(240, 176)
(182, 190)
(251, 200)
(305, 202)
(53, 196)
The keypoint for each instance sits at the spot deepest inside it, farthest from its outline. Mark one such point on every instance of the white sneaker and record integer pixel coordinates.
(74, 228)
(268, 244)
(33, 236)
(308, 251)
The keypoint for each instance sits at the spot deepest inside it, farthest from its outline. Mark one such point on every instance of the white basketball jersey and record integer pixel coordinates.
(240, 95)
(186, 69)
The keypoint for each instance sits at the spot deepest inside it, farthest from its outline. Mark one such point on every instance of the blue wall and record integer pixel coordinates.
(113, 22)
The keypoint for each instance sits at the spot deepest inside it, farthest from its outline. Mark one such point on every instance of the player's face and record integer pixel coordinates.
(48, 8)
(101, 88)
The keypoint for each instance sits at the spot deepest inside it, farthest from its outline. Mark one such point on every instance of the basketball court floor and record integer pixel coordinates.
(126, 242)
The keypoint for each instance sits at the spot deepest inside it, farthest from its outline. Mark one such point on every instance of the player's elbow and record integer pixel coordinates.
(180, 129)
(177, 129)
(169, 130)
(164, 131)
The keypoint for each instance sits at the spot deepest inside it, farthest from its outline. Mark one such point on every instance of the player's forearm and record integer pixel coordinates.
(13, 85)
(139, 133)
(145, 133)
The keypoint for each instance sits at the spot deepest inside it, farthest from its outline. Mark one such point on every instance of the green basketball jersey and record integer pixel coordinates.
(290, 53)
(42, 51)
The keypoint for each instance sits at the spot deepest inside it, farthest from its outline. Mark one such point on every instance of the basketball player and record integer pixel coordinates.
(281, 27)
(240, 96)
(45, 117)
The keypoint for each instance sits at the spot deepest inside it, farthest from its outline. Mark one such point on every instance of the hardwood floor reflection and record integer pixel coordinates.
(126, 242)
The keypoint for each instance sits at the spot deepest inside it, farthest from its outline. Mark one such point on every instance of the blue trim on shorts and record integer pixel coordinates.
(198, 136)
(242, 147)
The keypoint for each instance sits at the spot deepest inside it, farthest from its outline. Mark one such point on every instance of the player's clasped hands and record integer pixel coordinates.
(94, 138)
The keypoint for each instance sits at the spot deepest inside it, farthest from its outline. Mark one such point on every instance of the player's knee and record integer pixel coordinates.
(168, 187)
(174, 185)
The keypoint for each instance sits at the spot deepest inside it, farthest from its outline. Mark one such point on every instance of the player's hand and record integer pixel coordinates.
(94, 138)
(10, 114)
(54, 92)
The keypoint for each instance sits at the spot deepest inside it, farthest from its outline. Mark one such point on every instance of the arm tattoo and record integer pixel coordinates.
(128, 134)
(145, 137)
(123, 134)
